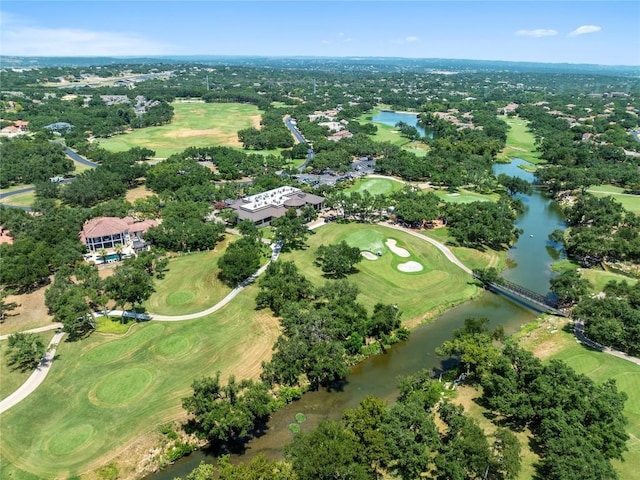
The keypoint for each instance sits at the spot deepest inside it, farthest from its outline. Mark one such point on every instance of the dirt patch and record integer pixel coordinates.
(217, 135)
(31, 312)
(545, 340)
(136, 193)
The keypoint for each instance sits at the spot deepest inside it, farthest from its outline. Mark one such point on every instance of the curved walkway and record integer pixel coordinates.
(36, 378)
(578, 331)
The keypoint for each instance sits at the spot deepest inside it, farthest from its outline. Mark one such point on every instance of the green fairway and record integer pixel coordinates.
(11, 379)
(464, 196)
(600, 367)
(376, 186)
(520, 141)
(193, 125)
(380, 280)
(191, 284)
(105, 392)
(630, 202)
(599, 278)
(22, 199)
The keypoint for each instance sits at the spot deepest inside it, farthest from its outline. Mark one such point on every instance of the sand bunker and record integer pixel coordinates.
(368, 255)
(410, 267)
(401, 252)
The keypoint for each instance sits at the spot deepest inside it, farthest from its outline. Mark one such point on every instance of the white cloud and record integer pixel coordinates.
(584, 29)
(20, 38)
(538, 32)
(402, 41)
(325, 42)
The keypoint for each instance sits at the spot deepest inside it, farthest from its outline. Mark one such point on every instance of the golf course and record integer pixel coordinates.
(111, 386)
(419, 295)
(193, 125)
(520, 141)
(123, 387)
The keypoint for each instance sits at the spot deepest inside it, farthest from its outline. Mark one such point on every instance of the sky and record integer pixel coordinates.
(596, 32)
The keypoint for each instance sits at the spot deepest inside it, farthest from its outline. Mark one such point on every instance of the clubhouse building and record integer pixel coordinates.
(263, 207)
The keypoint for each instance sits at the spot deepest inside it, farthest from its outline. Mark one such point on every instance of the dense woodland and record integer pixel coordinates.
(582, 134)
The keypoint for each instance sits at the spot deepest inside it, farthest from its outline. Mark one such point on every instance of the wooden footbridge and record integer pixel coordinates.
(543, 303)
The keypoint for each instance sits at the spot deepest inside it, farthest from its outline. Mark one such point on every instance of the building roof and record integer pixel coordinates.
(272, 203)
(105, 226)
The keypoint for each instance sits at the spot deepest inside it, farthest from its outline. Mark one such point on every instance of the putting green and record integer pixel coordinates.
(366, 239)
(376, 186)
(180, 298)
(122, 387)
(119, 349)
(588, 363)
(70, 440)
(173, 346)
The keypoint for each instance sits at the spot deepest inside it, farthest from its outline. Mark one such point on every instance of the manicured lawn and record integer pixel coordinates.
(191, 284)
(114, 325)
(389, 133)
(550, 340)
(11, 379)
(193, 125)
(376, 186)
(22, 199)
(464, 196)
(419, 295)
(106, 392)
(629, 202)
(600, 367)
(520, 141)
(599, 278)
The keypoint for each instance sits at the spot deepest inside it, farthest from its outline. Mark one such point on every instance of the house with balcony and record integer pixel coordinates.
(109, 233)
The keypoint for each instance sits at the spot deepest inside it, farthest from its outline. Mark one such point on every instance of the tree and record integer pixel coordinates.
(282, 284)
(24, 351)
(227, 413)
(239, 261)
(258, 468)
(130, 284)
(569, 286)
(291, 230)
(338, 260)
(327, 453)
(5, 306)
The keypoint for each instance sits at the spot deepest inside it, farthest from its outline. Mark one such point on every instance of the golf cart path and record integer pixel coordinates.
(36, 378)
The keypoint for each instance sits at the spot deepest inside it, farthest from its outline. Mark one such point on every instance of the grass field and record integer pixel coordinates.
(108, 393)
(599, 278)
(520, 141)
(193, 125)
(376, 186)
(629, 202)
(191, 284)
(389, 133)
(11, 379)
(464, 196)
(550, 340)
(547, 339)
(22, 199)
(380, 280)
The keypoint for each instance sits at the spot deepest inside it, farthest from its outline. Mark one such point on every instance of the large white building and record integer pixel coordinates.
(264, 207)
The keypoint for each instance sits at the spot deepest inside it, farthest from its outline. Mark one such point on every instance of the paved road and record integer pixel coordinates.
(36, 378)
(74, 156)
(578, 330)
(53, 326)
(71, 154)
(296, 133)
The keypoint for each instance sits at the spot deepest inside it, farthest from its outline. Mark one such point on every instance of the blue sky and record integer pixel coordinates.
(605, 33)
